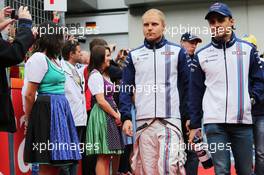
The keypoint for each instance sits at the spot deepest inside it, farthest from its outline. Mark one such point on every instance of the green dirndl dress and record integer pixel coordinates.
(96, 134)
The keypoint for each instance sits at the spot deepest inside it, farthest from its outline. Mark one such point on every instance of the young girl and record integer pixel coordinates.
(51, 137)
(103, 130)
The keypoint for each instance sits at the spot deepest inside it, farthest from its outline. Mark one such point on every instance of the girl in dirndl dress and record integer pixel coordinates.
(104, 125)
(51, 137)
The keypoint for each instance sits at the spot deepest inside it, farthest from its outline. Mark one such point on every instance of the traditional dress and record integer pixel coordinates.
(51, 136)
(102, 132)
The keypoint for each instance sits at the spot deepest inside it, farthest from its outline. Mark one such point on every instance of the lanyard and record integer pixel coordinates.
(75, 74)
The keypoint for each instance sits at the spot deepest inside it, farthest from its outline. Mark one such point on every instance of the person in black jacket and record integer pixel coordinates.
(257, 112)
(189, 42)
(12, 54)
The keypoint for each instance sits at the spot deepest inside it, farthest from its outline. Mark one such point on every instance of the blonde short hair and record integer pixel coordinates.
(156, 12)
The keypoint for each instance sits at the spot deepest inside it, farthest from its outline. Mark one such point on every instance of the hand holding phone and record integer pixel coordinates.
(4, 22)
(14, 15)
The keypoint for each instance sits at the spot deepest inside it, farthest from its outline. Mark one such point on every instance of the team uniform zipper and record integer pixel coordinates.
(155, 78)
(224, 48)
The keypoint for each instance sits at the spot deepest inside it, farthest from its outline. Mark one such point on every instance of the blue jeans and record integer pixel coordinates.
(222, 138)
(258, 129)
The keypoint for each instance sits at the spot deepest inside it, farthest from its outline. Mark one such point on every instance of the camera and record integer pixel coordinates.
(81, 39)
(202, 154)
(124, 52)
(14, 15)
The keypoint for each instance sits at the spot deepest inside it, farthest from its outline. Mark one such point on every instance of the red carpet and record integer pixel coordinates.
(210, 171)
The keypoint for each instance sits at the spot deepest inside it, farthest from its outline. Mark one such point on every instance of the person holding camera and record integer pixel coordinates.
(189, 42)
(120, 60)
(12, 54)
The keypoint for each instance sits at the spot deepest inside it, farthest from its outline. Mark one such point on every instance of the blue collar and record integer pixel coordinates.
(158, 45)
(220, 44)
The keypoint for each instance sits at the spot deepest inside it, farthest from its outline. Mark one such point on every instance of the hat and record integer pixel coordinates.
(250, 38)
(189, 37)
(220, 8)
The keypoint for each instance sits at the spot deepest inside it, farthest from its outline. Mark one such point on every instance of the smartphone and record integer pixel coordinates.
(14, 15)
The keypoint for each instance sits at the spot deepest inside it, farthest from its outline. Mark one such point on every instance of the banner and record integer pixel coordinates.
(12, 145)
(4, 167)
